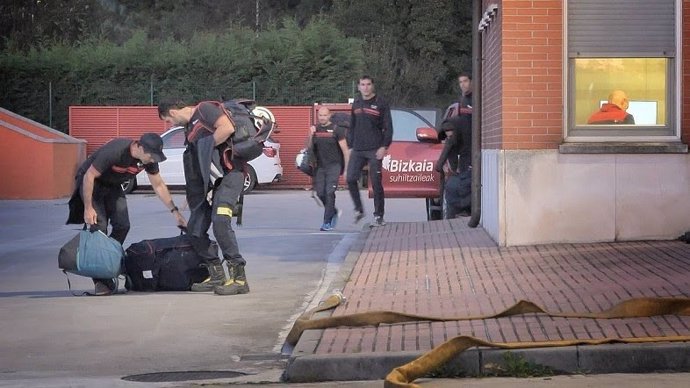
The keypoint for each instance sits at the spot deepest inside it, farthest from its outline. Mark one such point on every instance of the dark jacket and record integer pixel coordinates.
(462, 107)
(200, 155)
(371, 125)
(457, 149)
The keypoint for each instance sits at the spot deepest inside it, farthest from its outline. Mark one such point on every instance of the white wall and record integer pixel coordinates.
(542, 196)
(492, 219)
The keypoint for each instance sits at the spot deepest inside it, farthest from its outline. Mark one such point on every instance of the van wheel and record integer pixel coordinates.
(129, 186)
(249, 179)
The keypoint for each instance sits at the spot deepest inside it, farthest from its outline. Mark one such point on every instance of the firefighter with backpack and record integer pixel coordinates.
(211, 131)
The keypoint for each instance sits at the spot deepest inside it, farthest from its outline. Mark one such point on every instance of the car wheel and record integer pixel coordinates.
(249, 179)
(129, 186)
(434, 209)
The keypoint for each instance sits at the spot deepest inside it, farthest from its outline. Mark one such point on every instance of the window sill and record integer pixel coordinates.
(623, 148)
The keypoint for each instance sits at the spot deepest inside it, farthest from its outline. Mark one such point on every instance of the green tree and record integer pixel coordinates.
(288, 65)
(414, 49)
(308, 64)
(59, 53)
(39, 23)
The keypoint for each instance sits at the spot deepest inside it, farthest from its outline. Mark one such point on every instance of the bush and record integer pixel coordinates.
(285, 64)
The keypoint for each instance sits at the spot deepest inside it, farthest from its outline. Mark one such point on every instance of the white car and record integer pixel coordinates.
(264, 169)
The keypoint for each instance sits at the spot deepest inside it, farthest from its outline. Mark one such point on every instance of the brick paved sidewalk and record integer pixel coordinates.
(444, 268)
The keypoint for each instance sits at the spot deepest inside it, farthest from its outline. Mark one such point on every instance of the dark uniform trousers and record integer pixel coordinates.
(219, 213)
(325, 185)
(354, 171)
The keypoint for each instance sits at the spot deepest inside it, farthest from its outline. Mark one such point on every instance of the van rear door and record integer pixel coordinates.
(408, 169)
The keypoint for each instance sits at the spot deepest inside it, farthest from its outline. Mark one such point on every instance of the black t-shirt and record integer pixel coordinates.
(115, 163)
(202, 122)
(326, 145)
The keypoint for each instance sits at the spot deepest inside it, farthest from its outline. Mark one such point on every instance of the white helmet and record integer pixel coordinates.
(264, 114)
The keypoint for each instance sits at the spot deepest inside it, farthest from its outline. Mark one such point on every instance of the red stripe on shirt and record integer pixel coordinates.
(194, 133)
(126, 170)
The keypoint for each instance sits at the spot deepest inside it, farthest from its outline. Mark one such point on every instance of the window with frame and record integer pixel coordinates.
(621, 71)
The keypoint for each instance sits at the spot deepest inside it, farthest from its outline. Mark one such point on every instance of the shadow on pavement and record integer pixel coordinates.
(41, 294)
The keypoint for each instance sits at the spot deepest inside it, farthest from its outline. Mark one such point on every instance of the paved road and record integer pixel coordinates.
(51, 338)
(673, 380)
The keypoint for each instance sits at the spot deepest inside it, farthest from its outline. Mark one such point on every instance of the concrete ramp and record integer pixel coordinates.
(36, 162)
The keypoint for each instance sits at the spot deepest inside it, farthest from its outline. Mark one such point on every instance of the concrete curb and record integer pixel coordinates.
(581, 359)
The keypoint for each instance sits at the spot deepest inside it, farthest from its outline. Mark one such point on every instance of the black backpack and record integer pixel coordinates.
(164, 264)
(253, 126)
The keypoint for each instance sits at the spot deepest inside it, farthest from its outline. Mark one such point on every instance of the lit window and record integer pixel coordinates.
(621, 76)
(611, 91)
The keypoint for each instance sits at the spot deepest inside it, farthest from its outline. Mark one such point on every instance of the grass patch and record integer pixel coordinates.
(515, 365)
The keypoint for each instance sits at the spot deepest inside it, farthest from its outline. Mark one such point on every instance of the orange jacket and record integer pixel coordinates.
(611, 114)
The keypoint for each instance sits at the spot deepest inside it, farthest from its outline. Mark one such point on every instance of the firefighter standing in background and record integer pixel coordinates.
(369, 136)
(330, 147)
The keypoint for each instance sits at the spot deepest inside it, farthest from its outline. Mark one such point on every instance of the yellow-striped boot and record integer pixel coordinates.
(236, 283)
(216, 277)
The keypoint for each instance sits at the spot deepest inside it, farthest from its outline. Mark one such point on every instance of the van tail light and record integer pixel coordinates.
(270, 152)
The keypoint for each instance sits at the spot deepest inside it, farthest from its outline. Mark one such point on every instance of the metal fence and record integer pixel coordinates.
(152, 92)
(59, 95)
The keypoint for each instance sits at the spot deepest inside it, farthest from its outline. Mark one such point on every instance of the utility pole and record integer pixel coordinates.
(256, 26)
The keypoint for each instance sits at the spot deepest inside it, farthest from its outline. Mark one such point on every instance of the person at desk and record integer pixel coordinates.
(614, 111)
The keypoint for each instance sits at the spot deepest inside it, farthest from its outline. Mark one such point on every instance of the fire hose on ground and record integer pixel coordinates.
(405, 375)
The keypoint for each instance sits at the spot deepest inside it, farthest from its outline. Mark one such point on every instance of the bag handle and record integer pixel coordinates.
(92, 228)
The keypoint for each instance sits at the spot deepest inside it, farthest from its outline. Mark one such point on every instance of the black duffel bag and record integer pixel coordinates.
(164, 264)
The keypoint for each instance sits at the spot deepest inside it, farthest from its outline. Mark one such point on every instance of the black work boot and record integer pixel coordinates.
(236, 283)
(216, 277)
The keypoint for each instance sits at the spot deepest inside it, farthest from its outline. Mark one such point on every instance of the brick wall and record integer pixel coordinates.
(532, 73)
(492, 87)
(529, 63)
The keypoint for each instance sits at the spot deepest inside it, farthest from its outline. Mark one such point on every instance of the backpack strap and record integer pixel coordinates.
(194, 132)
(69, 286)
(223, 109)
(238, 206)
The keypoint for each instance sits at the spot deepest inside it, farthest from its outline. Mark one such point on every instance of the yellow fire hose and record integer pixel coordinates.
(404, 376)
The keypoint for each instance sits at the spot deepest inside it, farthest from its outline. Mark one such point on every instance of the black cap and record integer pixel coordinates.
(153, 144)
